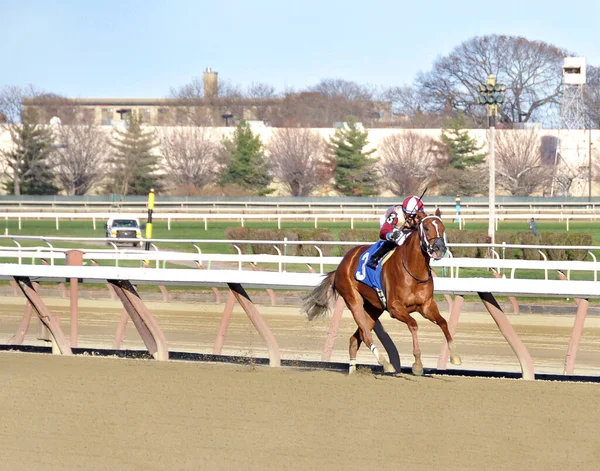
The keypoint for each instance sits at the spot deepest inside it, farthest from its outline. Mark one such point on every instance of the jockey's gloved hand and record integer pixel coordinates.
(394, 235)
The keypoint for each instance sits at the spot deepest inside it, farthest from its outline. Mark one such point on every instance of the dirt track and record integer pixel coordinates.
(99, 413)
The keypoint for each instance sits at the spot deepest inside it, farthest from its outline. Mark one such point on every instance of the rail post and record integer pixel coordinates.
(74, 258)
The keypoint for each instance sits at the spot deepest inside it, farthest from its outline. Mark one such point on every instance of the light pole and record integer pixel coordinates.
(491, 94)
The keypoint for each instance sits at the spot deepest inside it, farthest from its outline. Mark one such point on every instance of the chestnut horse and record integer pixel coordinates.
(407, 283)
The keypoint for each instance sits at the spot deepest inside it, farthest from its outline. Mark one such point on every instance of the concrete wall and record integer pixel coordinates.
(575, 144)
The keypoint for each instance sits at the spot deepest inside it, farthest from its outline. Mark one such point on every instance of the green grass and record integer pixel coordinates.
(194, 230)
(216, 229)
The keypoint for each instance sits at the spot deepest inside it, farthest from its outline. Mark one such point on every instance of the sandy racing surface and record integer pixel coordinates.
(106, 413)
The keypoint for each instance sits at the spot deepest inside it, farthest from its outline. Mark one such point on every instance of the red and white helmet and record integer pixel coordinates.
(412, 205)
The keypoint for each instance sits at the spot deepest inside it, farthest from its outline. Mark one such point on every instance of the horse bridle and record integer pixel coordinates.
(426, 246)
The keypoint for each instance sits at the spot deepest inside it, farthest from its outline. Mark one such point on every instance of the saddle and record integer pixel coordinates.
(372, 277)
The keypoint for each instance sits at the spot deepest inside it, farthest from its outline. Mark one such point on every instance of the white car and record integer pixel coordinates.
(124, 227)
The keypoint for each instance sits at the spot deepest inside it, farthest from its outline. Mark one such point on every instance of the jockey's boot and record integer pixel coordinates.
(380, 253)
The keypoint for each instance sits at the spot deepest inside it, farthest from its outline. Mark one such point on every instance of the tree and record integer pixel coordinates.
(408, 161)
(197, 109)
(79, 157)
(461, 172)
(566, 174)
(189, 155)
(406, 101)
(297, 159)
(244, 161)
(11, 102)
(355, 174)
(461, 148)
(341, 98)
(258, 90)
(133, 163)
(519, 165)
(531, 71)
(28, 159)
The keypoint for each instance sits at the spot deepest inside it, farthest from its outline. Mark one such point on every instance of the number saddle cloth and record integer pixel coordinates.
(372, 276)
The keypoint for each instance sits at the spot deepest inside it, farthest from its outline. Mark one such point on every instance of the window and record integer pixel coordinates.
(107, 116)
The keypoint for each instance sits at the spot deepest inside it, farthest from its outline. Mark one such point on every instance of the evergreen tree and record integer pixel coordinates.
(246, 164)
(461, 172)
(462, 149)
(353, 171)
(28, 159)
(133, 163)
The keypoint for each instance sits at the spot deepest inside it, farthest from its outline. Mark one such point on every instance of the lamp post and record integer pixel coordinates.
(491, 94)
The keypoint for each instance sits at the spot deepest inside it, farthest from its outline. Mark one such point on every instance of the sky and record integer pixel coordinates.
(143, 49)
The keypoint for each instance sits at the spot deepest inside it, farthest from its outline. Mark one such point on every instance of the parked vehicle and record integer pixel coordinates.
(123, 227)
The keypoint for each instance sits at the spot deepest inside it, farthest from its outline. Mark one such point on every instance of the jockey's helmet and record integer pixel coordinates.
(412, 205)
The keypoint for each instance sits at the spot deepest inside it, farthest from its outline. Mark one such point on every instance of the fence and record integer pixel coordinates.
(122, 279)
(465, 217)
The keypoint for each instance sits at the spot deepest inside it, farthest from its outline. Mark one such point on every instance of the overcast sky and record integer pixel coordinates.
(135, 48)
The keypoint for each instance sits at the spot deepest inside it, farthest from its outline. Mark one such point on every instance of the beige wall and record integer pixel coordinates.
(577, 139)
(576, 152)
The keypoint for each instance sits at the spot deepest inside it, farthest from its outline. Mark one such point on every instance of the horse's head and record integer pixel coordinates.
(432, 234)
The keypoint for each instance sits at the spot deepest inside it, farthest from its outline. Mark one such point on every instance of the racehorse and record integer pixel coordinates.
(408, 284)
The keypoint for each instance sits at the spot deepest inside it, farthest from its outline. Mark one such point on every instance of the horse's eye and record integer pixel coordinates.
(426, 229)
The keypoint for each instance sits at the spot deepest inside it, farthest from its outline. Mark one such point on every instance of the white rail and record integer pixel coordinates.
(300, 281)
(243, 218)
(52, 254)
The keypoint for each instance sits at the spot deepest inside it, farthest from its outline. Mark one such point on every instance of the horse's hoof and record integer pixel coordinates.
(455, 359)
(351, 370)
(417, 370)
(388, 368)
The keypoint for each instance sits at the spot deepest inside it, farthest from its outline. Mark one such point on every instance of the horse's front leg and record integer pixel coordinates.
(398, 311)
(430, 311)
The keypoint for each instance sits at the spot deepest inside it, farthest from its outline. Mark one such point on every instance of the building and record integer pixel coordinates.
(210, 109)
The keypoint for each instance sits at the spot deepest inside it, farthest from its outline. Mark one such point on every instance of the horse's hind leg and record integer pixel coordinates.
(431, 311)
(363, 334)
(355, 342)
(375, 314)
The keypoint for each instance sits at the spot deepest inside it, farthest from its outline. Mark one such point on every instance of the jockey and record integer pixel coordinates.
(396, 224)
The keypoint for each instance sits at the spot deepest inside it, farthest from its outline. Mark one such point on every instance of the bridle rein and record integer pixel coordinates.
(427, 246)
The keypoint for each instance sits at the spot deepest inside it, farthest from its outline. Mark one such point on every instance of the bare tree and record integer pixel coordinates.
(343, 89)
(11, 101)
(297, 156)
(79, 157)
(519, 165)
(195, 109)
(261, 90)
(407, 161)
(409, 108)
(566, 174)
(347, 98)
(189, 157)
(472, 181)
(531, 71)
(405, 100)
(192, 90)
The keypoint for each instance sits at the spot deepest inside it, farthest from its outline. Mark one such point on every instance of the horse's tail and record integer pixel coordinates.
(318, 302)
